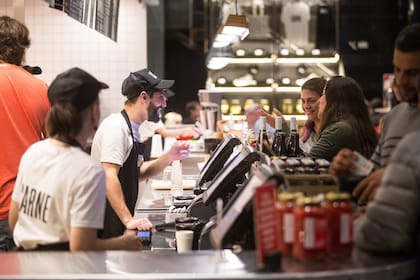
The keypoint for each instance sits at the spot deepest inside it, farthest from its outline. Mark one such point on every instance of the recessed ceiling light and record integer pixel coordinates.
(269, 81)
(221, 81)
(284, 52)
(240, 52)
(286, 81)
(300, 52)
(316, 52)
(258, 52)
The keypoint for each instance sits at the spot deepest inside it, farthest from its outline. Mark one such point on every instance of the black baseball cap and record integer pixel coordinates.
(145, 80)
(76, 86)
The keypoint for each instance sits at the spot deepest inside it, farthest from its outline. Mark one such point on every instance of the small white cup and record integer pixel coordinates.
(184, 240)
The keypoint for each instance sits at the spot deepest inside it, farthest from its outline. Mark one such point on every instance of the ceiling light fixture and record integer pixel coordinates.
(218, 58)
(236, 25)
(235, 28)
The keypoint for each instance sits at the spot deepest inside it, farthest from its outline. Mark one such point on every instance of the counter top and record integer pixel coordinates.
(170, 265)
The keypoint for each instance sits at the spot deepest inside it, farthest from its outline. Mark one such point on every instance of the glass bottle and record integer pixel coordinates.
(235, 107)
(310, 234)
(263, 140)
(224, 107)
(339, 211)
(176, 179)
(279, 141)
(265, 104)
(285, 206)
(293, 149)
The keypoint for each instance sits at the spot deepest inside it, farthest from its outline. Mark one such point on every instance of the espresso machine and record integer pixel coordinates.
(210, 109)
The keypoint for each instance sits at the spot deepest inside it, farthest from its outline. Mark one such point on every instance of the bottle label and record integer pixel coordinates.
(314, 232)
(289, 225)
(345, 228)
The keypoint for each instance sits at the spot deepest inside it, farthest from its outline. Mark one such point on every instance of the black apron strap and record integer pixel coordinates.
(129, 178)
(64, 246)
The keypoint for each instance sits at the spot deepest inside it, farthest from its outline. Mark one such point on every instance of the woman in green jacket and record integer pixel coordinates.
(345, 121)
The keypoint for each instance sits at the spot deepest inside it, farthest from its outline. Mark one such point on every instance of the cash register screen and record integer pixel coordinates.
(218, 159)
(226, 179)
(239, 201)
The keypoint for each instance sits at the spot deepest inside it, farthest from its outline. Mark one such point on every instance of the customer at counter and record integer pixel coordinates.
(402, 119)
(345, 121)
(252, 117)
(116, 145)
(23, 108)
(54, 207)
(310, 93)
(390, 227)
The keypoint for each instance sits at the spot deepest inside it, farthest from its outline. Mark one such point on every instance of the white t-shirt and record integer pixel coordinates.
(148, 129)
(112, 142)
(57, 188)
(295, 16)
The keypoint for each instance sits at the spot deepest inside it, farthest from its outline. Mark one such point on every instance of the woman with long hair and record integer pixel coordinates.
(345, 121)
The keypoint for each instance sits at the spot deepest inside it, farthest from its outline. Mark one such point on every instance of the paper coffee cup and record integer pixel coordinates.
(184, 240)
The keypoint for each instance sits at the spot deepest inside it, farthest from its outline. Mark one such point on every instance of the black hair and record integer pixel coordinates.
(408, 40)
(64, 122)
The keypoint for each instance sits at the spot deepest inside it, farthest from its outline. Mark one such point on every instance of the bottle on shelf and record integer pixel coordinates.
(279, 141)
(263, 139)
(265, 104)
(235, 107)
(248, 102)
(287, 106)
(293, 149)
(224, 107)
(298, 107)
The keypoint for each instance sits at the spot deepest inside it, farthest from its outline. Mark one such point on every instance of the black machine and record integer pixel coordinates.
(216, 161)
(236, 226)
(224, 184)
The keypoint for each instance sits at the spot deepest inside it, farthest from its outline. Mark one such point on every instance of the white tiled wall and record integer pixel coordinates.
(58, 43)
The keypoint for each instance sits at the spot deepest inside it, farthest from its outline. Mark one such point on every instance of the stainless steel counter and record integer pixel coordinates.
(170, 265)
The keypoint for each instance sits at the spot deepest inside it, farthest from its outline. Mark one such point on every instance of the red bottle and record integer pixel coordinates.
(310, 236)
(285, 205)
(339, 210)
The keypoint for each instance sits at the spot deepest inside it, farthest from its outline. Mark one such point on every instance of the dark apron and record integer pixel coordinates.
(129, 179)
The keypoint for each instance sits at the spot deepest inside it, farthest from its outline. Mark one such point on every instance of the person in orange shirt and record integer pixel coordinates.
(23, 108)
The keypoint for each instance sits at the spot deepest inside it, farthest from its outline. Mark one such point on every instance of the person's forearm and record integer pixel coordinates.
(115, 198)
(110, 244)
(13, 215)
(151, 168)
(174, 132)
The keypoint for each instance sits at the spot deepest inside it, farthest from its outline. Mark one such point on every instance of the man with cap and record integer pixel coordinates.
(55, 207)
(117, 146)
(155, 124)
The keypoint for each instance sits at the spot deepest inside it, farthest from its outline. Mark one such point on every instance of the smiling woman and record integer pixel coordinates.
(310, 93)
